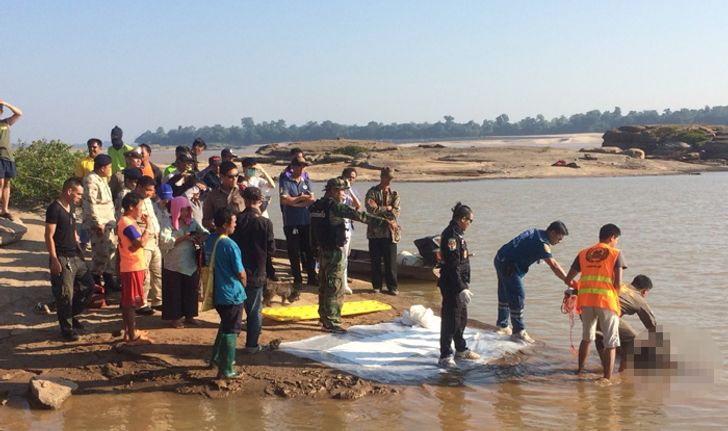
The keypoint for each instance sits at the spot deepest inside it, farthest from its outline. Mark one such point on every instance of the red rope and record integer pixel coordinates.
(568, 306)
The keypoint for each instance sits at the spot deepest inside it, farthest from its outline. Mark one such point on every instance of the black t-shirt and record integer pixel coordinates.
(65, 235)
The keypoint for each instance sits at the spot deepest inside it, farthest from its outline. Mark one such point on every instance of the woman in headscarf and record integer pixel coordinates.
(179, 271)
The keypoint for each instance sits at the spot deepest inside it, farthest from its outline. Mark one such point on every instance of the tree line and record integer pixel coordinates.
(250, 132)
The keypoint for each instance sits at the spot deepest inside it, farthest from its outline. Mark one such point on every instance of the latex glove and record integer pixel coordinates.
(465, 296)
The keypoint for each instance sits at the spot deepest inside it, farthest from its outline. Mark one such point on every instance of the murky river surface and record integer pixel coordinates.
(674, 230)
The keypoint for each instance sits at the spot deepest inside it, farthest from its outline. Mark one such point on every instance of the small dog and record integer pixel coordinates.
(273, 288)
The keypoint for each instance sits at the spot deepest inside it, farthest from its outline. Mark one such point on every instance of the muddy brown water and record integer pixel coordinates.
(674, 230)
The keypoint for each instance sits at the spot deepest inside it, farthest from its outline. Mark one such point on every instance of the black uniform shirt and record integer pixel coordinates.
(455, 271)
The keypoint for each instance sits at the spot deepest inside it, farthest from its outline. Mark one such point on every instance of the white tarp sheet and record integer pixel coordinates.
(395, 353)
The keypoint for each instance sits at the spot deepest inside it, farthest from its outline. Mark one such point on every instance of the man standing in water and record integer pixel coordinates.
(601, 267)
(7, 161)
(328, 234)
(631, 301)
(453, 283)
(511, 264)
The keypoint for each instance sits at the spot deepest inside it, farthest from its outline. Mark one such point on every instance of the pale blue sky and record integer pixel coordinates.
(77, 68)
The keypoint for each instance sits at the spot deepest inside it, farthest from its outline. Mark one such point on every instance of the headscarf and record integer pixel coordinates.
(178, 204)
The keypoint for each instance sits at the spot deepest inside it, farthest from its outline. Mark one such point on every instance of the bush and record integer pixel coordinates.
(351, 150)
(42, 168)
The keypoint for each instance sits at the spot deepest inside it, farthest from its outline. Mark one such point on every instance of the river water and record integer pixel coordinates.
(673, 230)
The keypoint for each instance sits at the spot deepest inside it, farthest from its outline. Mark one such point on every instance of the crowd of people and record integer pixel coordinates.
(151, 231)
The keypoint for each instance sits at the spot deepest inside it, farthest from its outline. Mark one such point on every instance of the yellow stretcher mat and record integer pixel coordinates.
(307, 312)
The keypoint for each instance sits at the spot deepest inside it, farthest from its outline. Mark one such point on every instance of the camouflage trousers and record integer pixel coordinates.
(103, 251)
(331, 287)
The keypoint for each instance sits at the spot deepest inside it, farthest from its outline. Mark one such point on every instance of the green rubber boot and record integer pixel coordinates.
(215, 358)
(227, 357)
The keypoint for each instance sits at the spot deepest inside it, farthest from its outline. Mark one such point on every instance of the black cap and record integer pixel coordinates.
(181, 149)
(101, 160)
(227, 153)
(132, 173)
(185, 157)
(117, 132)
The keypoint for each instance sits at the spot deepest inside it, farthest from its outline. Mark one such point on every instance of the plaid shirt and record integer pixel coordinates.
(383, 199)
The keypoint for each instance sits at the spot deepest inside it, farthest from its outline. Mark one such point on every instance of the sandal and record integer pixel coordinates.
(8, 216)
(140, 339)
(192, 322)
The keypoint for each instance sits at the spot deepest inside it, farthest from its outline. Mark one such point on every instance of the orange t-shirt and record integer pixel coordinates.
(128, 230)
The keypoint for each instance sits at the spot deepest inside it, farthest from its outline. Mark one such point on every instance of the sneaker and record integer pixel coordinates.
(447, 362)
(467, 354)
(294, 296)
(253, 350)
(391, 292)
(377, 290)
(348, 291)
(504, 330)
(523, 336)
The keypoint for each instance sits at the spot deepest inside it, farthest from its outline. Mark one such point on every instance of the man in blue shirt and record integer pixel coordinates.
(511, 265)
(296, 196)
(228, 291)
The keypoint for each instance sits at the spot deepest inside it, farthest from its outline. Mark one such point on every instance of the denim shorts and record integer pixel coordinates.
(7, 169)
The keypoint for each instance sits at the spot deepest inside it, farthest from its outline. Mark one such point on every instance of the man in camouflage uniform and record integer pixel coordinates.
(98, 217)
(328, 234)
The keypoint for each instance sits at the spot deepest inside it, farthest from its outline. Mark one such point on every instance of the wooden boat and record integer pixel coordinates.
(360, 264)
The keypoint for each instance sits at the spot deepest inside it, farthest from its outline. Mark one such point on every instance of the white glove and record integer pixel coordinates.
(465, 296)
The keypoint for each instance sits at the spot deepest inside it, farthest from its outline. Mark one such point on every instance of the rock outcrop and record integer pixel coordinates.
(11, 231)
(671, 141)
(50, 392)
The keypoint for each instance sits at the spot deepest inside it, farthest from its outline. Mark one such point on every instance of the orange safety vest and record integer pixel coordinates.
(129, 261)
(596, 284)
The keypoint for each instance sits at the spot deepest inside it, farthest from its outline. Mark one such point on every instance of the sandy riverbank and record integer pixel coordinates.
(508, 157)
(30, 343)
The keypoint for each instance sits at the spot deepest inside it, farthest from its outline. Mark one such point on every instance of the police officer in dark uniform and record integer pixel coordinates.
(328, 234)
(453, 283)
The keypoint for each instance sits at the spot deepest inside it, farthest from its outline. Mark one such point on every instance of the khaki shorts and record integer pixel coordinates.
(608, 323)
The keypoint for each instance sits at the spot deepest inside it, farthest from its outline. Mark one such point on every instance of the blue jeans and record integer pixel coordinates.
(253, 308)
(511, 295)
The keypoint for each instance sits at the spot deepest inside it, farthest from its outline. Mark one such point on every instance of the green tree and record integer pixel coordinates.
(42, 166)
